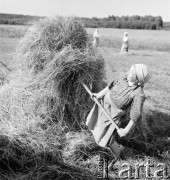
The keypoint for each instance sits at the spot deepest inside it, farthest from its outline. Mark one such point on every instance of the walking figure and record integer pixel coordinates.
(96, 37)
(125, 43)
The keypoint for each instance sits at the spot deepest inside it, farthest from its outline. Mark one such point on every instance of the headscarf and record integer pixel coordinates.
(125, 33)
(141, 72)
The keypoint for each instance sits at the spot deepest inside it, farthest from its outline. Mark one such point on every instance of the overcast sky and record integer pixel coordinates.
(87, 8)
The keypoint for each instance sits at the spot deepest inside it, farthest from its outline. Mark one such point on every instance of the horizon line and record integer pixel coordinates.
(84, 16)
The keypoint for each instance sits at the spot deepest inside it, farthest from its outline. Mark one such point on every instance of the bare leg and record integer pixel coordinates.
(115, 148)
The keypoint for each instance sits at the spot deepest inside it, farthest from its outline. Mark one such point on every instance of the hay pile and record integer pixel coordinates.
(46, 38)
(44, 98)
(31, 146)
(62, 77)
(58, 56)
(26, 140)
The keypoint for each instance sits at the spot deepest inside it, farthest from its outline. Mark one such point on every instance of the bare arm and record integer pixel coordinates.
(135, 114)
(123, 132)
(101, 93)
(105, 90)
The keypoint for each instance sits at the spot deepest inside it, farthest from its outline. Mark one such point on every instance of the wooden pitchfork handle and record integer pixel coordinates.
(97, 102)
(5, 66)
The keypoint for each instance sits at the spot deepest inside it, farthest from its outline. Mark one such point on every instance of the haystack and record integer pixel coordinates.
(30, 144)
(47, 37)
(58, 56)
(45, 98)
(62, 77)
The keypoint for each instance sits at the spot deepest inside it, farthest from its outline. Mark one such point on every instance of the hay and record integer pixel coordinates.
(26, 140)
(48, 36)
(29, 143)
(58, 56)
(62, 79)
(3, 78)
(44, 98)
(19, 161)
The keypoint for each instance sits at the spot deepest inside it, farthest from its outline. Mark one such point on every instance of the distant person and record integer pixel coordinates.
(125, 43)
(96, 37)
(124, 94)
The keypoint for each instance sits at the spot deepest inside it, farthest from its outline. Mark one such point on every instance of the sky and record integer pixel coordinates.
(87, 8)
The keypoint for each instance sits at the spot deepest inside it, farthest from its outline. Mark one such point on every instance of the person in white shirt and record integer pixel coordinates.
(96, 37)
(125, 43)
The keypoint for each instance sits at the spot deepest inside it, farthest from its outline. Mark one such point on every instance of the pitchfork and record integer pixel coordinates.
(97, 102)
(108, 116)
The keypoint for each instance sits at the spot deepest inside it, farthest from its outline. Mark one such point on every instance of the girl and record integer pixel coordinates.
(124, 94)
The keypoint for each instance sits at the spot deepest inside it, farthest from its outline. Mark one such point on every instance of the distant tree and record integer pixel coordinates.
(159, 22)
(95, 18)
(135, 17)
(146, 25)
(153, 26)
(112, 18)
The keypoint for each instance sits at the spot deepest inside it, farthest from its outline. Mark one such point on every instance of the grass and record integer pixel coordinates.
(9, 38)
(12, 31)
(39, 145)
(157, 40)
(138, 39)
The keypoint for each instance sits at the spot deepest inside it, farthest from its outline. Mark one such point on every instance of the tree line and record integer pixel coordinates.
(123, 22)
(18, 19)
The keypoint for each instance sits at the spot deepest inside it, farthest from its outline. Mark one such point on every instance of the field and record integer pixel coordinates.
(148, 47)
(138, 39)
